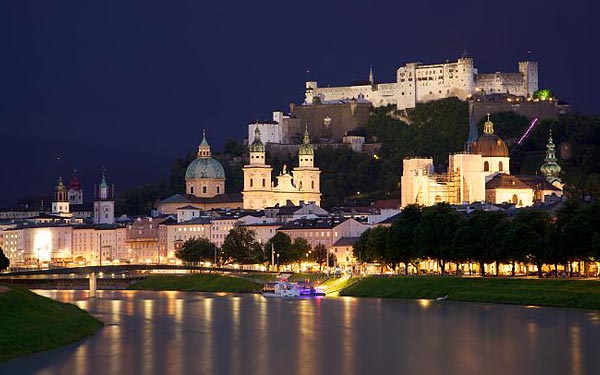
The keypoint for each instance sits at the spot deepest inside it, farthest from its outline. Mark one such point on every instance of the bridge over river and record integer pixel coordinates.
(104, 276)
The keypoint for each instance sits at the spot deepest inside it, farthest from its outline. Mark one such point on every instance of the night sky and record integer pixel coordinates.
(130, 85)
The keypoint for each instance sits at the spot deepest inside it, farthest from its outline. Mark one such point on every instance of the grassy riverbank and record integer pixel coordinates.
(198, 283)
(31, 323)
(584, 294)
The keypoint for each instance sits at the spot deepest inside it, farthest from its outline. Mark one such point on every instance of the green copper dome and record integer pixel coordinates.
(306, 148)
(257, 145)
(204, 166)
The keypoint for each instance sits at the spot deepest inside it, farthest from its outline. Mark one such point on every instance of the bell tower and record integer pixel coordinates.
(104, 203)
(60, 203)
(306, 176)
(257, 177)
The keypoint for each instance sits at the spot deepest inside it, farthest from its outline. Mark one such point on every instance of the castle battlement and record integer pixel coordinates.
(418, 83)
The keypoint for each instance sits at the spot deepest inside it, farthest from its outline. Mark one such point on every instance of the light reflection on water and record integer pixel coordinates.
(189, 333)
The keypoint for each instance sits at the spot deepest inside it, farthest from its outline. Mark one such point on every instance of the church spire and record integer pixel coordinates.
(306, 148)
(371, 76)
(257, 145)
(550, 169)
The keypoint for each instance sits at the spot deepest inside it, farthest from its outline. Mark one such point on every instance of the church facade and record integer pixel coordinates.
(299, 185)
(480, 174)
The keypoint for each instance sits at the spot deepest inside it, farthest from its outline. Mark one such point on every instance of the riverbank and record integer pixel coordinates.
(31, 323)
(583, 294)
(198, 283)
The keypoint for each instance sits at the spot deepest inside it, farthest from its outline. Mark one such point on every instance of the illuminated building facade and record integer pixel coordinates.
(418, 83)
(300, 185)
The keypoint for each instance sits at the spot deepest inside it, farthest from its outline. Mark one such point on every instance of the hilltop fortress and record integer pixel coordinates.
(417, 83)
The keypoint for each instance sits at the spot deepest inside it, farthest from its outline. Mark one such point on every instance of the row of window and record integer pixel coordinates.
(205, 190)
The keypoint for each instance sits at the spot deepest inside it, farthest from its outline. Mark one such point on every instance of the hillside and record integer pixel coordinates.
(430, 130)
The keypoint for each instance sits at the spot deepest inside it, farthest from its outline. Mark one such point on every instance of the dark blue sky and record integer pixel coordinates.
(131, 84)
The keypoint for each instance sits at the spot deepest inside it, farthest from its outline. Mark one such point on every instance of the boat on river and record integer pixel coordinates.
(286, 289)
(283, 288)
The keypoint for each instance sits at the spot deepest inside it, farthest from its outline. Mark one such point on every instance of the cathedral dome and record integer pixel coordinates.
(489, 144)
(204, 167)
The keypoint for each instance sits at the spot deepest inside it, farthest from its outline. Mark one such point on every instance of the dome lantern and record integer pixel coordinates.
(489, 144)
(204, 167)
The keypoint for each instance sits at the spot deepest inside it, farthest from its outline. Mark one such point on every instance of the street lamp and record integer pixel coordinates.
(272, 256)
(278, 261)
(215, 248)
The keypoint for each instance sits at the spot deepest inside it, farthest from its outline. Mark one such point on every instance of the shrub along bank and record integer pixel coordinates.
(583, 294)
(198, 283)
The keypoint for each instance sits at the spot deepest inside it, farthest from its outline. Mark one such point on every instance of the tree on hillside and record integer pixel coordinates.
(435, 233)
(4, 261)
(401, 246)
(196, 250)
(241, 246)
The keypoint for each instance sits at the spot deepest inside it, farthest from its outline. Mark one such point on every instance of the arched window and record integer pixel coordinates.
(218, 190)
(515, 199)
(203, 189)
(312, 184)
(264, 182)
(300, 185)
(251, 182)
(191, 190)
(500, 167)
(486, 166)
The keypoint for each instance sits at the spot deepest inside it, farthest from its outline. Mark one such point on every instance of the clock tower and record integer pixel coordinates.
(104, 203)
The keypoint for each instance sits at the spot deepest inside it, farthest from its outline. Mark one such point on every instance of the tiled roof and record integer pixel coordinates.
(346, 241)
(505, 181)
(314, 224)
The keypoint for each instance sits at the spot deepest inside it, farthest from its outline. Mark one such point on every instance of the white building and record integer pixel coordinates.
(418, 83)
(480, 175)
(63, 244)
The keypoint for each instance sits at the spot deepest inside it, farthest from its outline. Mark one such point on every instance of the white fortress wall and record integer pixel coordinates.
(416, 83)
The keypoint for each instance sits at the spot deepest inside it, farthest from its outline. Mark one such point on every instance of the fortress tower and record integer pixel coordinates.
(529, 69)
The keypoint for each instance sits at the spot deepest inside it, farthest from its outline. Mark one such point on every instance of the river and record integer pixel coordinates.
(219, 333)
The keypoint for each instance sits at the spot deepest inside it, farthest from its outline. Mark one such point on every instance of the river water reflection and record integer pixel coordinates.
(204, 333)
